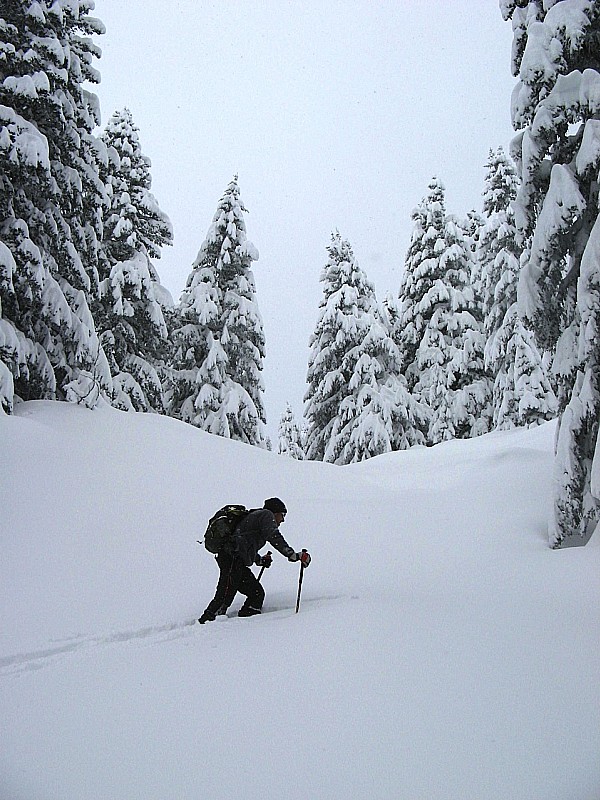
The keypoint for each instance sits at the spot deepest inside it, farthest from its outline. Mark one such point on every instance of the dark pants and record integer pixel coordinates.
(235, 576)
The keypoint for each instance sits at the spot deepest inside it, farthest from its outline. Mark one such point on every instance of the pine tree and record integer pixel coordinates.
(199, 375)
(523, 395)
(497, 250)
(522, 391)
(141, 222)
(556, 106)
(51, 201)
(471, 228)
(219, 340)
(129, 317)
(418, 280)
(437, 327)
(290, 436)
(357, 403)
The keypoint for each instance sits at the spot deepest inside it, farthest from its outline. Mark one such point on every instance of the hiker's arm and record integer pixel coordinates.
(275, 538)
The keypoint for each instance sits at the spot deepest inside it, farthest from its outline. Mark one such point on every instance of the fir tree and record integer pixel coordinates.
(199, 375)
(522, 391)
(51, 201)
(497, 250)
(437, 327)
(357, 403)
(133, 329)
(418, 281)
(472, 228)
(523, 395)
(556, 106)
(290, 436)
(140, 223)
(219, 340)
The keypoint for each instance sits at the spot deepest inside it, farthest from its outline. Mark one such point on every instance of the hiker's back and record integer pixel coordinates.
(219, 535)
(251, 533)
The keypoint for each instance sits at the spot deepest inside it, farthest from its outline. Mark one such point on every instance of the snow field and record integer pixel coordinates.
(442, 650)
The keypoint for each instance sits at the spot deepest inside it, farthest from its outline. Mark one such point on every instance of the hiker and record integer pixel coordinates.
(258, 527)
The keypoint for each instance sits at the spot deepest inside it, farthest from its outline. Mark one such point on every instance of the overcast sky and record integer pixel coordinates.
(335, 114)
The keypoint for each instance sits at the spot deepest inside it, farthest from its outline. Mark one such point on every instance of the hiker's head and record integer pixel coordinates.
(278, 508)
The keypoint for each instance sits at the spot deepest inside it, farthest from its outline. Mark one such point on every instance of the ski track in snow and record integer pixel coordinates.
(38, 659)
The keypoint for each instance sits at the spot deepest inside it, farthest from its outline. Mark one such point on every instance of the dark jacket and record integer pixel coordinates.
(254, 531)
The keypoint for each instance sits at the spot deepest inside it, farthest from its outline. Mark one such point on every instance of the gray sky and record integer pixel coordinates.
(334, 115)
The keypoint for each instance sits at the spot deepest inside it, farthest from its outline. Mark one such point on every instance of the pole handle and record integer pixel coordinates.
(269, 553)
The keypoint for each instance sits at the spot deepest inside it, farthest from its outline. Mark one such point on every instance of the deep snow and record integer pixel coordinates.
(442, 650)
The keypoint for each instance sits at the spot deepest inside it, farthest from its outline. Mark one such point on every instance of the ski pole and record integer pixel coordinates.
(263, 568)
(300, 583)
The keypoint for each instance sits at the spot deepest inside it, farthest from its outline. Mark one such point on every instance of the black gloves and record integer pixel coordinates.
(264, 561)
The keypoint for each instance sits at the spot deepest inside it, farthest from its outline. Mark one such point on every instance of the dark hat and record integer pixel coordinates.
(275, 505)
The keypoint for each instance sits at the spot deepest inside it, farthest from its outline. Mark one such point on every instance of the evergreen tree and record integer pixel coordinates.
(290, 436)
(51, 201)
(437, 327)
(523, 395)
(497, 250)
(418, 280)
(471, 228)
(556, 106)
(139, 221)
(522, 391)
(219, 340)
(357, 403)
(129, 317)
(199, 375)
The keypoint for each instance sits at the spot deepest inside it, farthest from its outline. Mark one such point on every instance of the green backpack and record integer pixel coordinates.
(219, 533)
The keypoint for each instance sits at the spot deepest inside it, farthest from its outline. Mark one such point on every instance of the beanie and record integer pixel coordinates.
(275, 505)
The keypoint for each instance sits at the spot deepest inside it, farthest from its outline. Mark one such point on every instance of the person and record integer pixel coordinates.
(258, 527)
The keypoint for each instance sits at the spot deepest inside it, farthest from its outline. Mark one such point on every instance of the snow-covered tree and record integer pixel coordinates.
(199, 374)
(129, 316)
(472, 227)
(139, 221)
(357, 403)
(523, 395)
(418, 280)
(290, 436)
(219, 340)
(437, 327)
(556, 108)
(51, 202)
(497, 250)
(522, 392)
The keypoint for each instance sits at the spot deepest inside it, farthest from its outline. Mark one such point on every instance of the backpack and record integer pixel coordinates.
(219, 533)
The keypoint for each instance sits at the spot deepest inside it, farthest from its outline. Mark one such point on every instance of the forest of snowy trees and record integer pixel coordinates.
(493, 325)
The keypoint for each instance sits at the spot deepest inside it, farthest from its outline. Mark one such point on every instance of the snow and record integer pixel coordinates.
(442, 650)
(588, 155)
(22, 141)
(562, 204)
(573, 96)
(28, 85)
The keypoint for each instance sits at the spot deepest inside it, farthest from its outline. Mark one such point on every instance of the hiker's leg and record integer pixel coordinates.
(226, 586)
(248, 584)
(229, 598)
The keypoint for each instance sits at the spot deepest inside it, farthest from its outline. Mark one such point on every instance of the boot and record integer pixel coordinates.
(248, 611)
(206, 617)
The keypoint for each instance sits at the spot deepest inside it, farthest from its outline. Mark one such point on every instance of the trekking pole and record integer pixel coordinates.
(302, 568)
(263, 568)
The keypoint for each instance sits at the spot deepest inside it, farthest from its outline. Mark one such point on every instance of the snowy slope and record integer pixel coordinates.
(442, 650)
